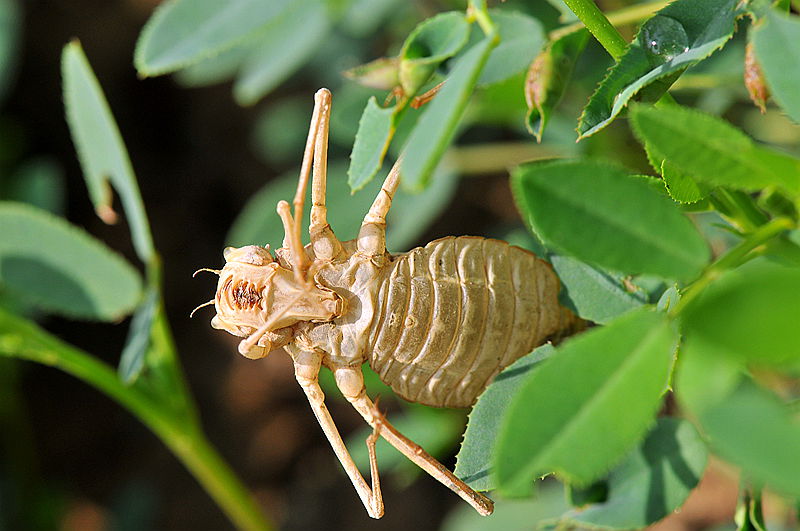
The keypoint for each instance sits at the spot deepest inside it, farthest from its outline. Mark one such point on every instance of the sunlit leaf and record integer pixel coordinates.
(712, 151)
(651, 482)
(679, 185)
(437, 126)
(375, 131)
(677, 37)
(183, 32)
(61, 269)
(581, 435)
(594, 294)
(101, 151)
(474, 461)
(751, 313)
(755, 431)
(600, 215)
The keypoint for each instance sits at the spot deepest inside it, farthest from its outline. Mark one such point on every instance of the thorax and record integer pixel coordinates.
(358, 280)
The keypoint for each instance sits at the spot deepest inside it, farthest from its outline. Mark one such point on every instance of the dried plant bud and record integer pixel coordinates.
(547, 78)
(381, 74)
(754, 79)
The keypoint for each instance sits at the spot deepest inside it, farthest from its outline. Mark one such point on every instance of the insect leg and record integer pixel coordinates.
(372, 236)
(351, 382)
(307, 366)
(292, 237)
(324, 241)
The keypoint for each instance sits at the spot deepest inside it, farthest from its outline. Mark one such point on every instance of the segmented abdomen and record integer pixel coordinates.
(453, 314)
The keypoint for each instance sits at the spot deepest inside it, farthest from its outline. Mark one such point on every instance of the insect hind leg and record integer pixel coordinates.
(351, 383)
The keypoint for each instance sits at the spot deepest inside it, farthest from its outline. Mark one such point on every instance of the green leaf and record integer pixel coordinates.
(751, 313)
(132, 360)
(624, 366)
(705, 376)
(511, 515)
(599, 215)
(548, 76)
(375, 130)
(217, 69)
(775, 37)
(183, 32)
(437, 126)
(677, 37)
(101, 151)
(10, 25)
(432, 41)
(287, 42)
(755, 431)
(409, 217)
(680, 186)
(594, 294)
(712, 151)
(651, 482)
(61, 269)
(474, 460)
(521, 38)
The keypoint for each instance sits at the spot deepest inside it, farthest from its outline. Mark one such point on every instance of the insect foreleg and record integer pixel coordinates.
(351, 383)
(372, 236)
(306, 367)
(326, 245)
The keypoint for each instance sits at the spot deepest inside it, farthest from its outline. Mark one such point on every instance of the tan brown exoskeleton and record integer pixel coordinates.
(436, 323)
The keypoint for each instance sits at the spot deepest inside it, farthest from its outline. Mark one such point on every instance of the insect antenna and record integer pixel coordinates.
(215, 271)
(209, 303)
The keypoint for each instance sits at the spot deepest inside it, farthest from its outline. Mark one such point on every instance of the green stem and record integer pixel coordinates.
(620, 17)
(733, 258)
(599, 26)
(476, 10)
(24, 339)
(740, 208)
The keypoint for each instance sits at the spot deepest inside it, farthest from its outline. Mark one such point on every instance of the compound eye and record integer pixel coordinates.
(228, 252)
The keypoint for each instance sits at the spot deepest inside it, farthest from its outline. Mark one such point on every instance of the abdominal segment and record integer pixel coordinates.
(454, 313)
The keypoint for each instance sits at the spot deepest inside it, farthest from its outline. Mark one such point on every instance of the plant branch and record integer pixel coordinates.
(733, 258)
(23, 339)
(620, 17)
(599, 26)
